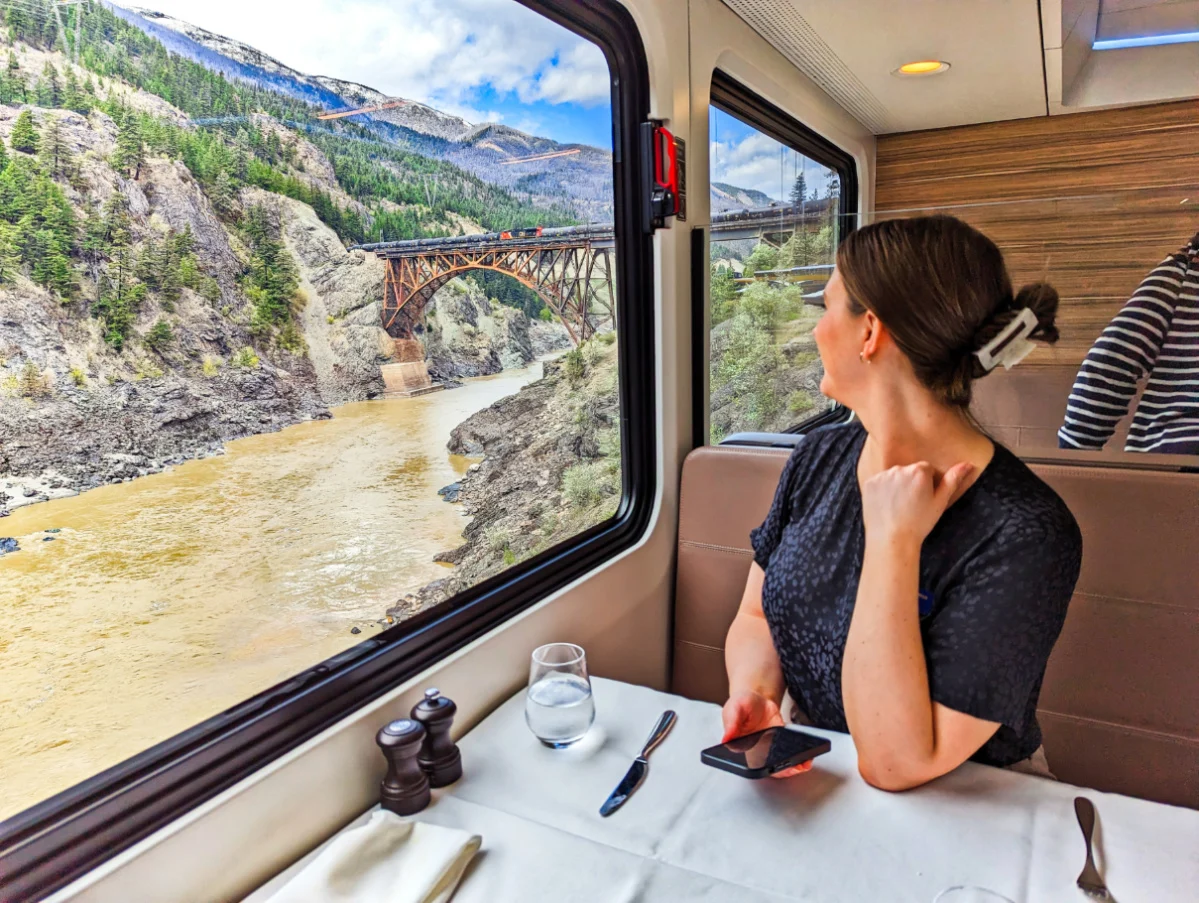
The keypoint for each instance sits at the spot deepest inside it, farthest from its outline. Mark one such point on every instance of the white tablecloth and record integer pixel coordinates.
(692, 833)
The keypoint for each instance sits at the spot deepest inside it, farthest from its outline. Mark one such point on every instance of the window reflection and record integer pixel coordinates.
(1154, 336)
(775, 227)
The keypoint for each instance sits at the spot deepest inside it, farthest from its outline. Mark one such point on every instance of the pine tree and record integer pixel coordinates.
(799, 191)
(116, 223)
(10, 253)
(49, 90)
(120, 297)
(221, 193)
(94, 240)
(131, 149)
(73, 97)
(3, 156)
(24, 134)
(51, 267)
(55, 154)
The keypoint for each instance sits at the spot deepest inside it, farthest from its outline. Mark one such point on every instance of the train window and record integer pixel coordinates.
(309, 356)
(781, 198)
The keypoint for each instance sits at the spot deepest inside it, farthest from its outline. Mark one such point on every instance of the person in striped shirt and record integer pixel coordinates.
(1155, 333)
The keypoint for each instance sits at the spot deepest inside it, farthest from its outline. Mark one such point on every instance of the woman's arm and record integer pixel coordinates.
(749, 655)
(903, 738)
(756, 683)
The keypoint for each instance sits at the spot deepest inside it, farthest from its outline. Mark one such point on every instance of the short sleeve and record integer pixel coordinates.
(989, 642)
(766, 538)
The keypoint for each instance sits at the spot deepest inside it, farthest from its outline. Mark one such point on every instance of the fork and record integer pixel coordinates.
(1090, 880)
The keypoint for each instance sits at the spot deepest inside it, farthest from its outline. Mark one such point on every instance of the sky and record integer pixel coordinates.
(741, 155)
(484, 60)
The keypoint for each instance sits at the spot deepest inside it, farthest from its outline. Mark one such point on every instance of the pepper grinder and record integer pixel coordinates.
(405, 789)
(439, 756)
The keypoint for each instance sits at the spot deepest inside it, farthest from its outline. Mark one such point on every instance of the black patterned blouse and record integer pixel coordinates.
(996, 576)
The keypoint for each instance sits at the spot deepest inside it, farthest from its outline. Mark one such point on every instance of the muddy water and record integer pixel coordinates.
(167, 599)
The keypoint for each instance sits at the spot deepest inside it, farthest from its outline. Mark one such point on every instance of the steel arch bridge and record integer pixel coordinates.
(570, 268)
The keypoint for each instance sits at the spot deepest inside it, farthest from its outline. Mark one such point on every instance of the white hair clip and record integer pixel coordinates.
(1011, 346)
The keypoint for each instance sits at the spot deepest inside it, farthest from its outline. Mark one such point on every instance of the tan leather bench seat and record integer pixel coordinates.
(1120, 705)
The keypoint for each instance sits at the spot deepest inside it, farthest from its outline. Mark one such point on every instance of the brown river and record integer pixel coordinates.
(167, 599)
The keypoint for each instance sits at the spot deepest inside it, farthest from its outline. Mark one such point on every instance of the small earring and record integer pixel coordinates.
(862, 357)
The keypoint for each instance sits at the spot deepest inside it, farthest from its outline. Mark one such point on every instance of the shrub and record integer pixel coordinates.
(594, 352)
(78, 377)
(799, 402)
(211, 366)
(245, 359)
(606, 338)
(291, 339)
(147, 369)
(160, 335)
(546, 315)
(585, 485)
(574, 367)
(210, 289)
(33, 383)
(496, 537)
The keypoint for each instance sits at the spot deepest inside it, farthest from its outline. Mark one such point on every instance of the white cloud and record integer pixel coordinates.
(761, 163)
(445, 53)
(580, 76)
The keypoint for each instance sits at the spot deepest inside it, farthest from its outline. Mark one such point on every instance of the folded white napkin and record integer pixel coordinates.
(387, 860)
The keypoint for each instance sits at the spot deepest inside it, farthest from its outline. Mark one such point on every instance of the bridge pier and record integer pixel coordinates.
(409, 375)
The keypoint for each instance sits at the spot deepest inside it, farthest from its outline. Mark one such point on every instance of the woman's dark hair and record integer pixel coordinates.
(942, 290)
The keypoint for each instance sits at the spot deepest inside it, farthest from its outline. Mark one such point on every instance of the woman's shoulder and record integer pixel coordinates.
(825, 446)
(1033, 514)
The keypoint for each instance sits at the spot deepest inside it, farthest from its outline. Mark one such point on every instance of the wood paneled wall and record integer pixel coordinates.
(1089, 201)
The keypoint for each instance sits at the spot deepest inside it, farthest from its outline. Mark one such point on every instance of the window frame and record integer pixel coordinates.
(57, 840)
(738, 100)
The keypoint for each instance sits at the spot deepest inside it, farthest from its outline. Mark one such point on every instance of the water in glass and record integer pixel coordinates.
(558, 706)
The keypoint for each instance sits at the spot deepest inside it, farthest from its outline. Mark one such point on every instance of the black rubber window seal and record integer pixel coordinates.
(739, 101)
(58, 840)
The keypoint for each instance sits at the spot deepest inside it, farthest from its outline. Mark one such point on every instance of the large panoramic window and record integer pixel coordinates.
(778, 213)
(307, 326)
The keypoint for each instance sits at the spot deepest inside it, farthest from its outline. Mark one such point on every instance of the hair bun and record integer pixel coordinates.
(1042, 299)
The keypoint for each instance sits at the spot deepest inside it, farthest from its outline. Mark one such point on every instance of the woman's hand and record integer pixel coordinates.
(905, 503)
(748, 712)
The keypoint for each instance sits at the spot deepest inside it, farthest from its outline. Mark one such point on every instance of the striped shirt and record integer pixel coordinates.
(1155, 333)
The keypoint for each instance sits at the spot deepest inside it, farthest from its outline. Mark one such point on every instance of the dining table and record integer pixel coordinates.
(692, 832)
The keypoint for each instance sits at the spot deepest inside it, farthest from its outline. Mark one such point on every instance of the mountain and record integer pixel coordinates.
(582, 177)
(237, 60)
(726, 197)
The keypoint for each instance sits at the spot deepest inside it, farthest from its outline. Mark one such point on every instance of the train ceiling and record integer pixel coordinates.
(1009, 59)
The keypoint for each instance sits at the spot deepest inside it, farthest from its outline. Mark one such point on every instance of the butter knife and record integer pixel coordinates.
(640, 767)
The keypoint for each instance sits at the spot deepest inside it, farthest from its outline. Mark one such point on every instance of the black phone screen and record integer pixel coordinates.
(765, 752)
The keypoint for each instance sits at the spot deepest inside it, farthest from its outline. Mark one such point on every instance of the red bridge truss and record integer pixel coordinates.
(571, 270)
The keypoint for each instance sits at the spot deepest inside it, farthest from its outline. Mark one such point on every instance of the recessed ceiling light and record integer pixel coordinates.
(921, 67)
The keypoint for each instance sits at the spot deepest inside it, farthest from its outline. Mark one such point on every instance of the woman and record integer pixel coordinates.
(912, 576)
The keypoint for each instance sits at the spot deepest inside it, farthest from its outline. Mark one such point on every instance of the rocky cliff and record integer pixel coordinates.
(549, 469)
(75, 411)
(468, 334)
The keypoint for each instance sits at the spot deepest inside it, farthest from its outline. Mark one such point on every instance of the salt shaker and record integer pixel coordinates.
(405, 789)
(439, 756)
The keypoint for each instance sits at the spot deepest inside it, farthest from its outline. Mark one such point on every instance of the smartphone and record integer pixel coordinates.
(764, 753)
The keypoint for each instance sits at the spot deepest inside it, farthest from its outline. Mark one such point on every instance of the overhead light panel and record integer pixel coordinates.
(1153, 40)
(921, 67)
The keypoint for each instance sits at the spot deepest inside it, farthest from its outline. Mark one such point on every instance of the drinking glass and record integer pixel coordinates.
(969, 894)
(558, 706)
